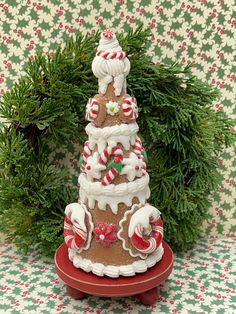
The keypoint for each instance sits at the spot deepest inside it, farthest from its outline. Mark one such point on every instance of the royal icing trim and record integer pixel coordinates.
(115, 271)
(112, 107)
(133, 167)
(110, 64)
(113, 194)
(124, 134)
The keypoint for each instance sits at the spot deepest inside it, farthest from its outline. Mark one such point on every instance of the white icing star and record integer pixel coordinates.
(132, 167)
(112, 107)
(93, 168)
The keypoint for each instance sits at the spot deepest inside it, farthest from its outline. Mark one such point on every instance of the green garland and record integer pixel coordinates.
(182, 135)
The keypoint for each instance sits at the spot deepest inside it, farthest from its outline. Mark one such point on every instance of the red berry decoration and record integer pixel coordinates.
(105, 233)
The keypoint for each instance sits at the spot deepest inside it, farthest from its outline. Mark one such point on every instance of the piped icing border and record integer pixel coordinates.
(113, 194)
(115, 271)
(124, 134)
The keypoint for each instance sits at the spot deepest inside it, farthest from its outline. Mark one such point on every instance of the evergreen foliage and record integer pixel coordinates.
(182, 134)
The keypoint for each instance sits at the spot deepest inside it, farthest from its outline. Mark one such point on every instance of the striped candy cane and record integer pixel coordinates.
(92, 109)
(130, 108)
(138, 148)
(75, 237)
(112, 172)
(148, 246)
(85, 154)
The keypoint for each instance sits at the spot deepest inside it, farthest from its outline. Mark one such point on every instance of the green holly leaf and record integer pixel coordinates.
(144, 154)
(80, 160)
(117, 166)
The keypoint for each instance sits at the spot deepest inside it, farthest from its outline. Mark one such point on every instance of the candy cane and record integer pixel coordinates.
(150, 245)
(112, 172)
(108, 151)
(75, 237)
(92, 109)
(130, 108)
(85, 154)
(138, 146)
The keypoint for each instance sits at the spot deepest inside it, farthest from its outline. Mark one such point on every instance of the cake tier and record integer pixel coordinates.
(114, 271)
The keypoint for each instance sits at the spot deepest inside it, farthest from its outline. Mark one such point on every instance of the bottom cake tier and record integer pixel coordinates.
(114, 271)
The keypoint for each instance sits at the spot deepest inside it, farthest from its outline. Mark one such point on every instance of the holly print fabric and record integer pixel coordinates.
(203, 281)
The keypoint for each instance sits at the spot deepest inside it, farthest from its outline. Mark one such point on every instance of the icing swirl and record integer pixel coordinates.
(110, 64)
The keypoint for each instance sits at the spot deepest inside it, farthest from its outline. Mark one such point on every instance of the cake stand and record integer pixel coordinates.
(144, 286)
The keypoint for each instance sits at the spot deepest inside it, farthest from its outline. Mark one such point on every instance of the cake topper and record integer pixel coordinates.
(110, 64)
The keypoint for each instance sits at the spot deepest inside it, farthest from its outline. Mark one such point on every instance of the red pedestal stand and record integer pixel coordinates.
(144, 286)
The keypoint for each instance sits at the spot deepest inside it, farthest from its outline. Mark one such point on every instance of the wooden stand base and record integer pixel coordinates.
(144, 286)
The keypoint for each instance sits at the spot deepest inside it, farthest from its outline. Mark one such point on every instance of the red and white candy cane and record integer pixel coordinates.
(75, 237)
(138, 146)
(150, 245)
(112, 172)
(85, 154)
(130, 108)
(92, 109)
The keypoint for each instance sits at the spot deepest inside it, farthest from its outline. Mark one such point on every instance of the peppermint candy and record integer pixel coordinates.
(92, 109)
(130, 108)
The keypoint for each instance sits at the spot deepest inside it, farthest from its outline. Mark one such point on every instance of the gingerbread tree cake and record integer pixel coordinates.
(112, 230)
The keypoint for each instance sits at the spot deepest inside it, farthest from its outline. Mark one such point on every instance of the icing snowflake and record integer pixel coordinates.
(112, 107)
(132, 167)
(93, 168)
(105, 233)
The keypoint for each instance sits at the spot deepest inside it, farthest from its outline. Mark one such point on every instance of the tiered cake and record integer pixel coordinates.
(112, 230)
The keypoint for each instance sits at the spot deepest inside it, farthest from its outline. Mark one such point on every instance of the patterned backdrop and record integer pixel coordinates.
(201, 32)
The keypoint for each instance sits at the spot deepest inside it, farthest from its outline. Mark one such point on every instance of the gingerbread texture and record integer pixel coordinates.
(112, 230)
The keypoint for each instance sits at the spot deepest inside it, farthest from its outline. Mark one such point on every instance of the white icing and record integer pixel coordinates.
(113, 194)
(109, 44)
(112, 107)
(124, 134)
(94, 172)
(78, 212)
(129, 167)
(116, 271)
(142, 217)
(112, 69)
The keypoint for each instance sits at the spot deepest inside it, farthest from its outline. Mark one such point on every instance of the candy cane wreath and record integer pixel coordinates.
(147, 216)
